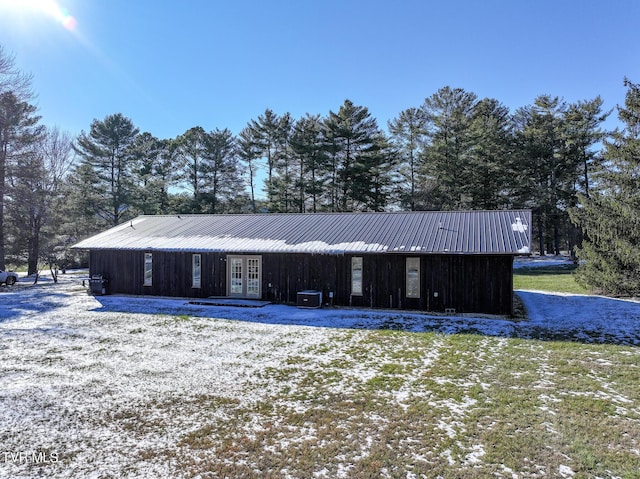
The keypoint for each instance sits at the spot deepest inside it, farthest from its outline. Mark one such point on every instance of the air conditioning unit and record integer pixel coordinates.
(309, 299)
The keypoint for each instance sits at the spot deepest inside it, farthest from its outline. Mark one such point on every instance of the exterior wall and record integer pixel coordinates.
(467, 283)
(172, 275)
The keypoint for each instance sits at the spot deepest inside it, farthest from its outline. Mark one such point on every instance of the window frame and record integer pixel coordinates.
(412, 277)
(148, 269)
(196, 280)
(357, 275)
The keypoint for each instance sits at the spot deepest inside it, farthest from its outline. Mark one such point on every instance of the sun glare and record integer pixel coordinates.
(48, 7)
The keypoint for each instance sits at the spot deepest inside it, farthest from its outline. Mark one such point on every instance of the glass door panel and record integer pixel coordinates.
(236, 276)
(253, 277)
(244, 276)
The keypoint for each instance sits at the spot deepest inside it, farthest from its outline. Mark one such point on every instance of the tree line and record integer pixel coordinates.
(454, 151)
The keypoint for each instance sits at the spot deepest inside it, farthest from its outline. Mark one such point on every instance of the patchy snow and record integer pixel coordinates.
(537, 261)
(565, 471)
(583, 318)
(475, 457)
(70, 363)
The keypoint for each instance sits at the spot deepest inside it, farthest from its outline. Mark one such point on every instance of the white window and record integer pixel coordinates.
(413, 277)
(148, 269)
(196, 270)
(356, 276)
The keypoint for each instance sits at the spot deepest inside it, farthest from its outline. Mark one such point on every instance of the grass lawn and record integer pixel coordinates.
(548, 278)
(390, 404)
(164, 394)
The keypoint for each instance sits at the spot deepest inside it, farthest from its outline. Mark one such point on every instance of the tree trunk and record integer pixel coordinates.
(556, 238)
(3, 159)
(541, 233)
(33, 252)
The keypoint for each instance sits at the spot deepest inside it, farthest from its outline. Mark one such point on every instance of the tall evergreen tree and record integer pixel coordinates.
(146, 152)
(450, 114)
(19, 130)
(18, 126)
(408, 136)
(249, 153)
(82, 197)
(270, 134)
(490, 172)
(224, 177)
(308, 145)
(583, 137)
(281, 192)
(376, 183)
(546, 170)
(584, 132)
(166, 174)
(194, 168)
(610, 215)
(353, 137)
(108, 150)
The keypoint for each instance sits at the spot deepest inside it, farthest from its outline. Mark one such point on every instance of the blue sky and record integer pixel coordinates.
(170, 65)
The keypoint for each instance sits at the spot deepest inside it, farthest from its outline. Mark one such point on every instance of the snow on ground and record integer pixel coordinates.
(67, 359)
(537, 261)
(551, 316)
(583, 318)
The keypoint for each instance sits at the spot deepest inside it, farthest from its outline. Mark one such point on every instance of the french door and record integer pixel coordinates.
(244, 276)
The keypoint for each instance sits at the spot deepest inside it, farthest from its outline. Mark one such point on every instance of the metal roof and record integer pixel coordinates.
(445, 232)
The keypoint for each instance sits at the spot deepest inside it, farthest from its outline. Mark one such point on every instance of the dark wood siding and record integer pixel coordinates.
(466, 283)
(172, 273)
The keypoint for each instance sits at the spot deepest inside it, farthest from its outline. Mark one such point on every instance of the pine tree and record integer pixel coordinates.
(610, 215)
(555, 151)
(18, 127)
(489, 172)
(269, 135)
(583, 133)
(408, 136)
(583, 137)
(447, 158)
(224, 176)
(165, 174)
(353, 137)
(249, 153)
(376, 184)
(546, 170)
(19, 131)
(309, 147)
(192, 147)
(281, 192)
(108, 150)
(146, 152)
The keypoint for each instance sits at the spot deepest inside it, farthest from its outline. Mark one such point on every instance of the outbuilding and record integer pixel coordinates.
(451, 261)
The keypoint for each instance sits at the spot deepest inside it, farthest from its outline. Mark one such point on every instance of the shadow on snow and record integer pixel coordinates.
(20, 300)
(551, 317)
